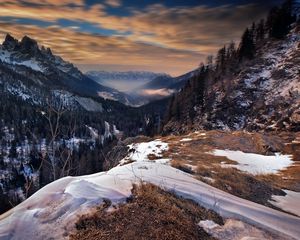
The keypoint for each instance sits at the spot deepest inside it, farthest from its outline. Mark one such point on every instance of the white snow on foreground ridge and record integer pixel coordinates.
(52, 212)
(233, 230)
(290, 202)
(255, 163)
(140, 152)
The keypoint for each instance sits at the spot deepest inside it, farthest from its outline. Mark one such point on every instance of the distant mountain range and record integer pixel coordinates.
(143, 87)
(123, 81)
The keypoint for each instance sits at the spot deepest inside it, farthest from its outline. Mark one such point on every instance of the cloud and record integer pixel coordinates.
(163, 92)
(176, 38)
(113, 3)
(105, 51)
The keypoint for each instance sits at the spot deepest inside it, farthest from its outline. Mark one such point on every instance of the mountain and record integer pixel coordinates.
(168, 82)
(53, 121)
(132, 84)
(225, 165)
(59, 73)
(142, 87)
(161, 87)
(256, 91)
(122, 81)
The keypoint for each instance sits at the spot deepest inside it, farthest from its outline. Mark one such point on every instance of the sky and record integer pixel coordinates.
(171, 36)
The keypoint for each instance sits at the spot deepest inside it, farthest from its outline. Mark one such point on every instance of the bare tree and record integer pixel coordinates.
(60, 158)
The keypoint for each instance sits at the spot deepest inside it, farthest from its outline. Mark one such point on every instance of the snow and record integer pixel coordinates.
(290, 202)
(70, 100)
(5, 56)
(58, 205)
(208, 224)
(141, 151)
(89, 104)
(94, 132)
(107, 95)
(208, 179)
(234, 230)
(255, 163)
(31, 64)
(186, 140)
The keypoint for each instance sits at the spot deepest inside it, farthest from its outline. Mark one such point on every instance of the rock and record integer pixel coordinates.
(10, 42)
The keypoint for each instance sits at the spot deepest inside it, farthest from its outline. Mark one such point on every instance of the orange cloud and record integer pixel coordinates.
(175, 39)
(84, 49)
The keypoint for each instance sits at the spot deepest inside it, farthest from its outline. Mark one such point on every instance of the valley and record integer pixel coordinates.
(212, 153)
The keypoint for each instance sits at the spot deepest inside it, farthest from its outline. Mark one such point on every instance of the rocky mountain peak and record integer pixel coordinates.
(29, 45)
(46, 51)
(10, 42)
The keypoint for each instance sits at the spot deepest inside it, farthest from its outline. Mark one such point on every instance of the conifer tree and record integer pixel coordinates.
(247, 47)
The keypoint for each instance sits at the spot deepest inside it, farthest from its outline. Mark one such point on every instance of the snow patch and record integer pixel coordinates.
(5, 56)
(208, 225)
(234, 230)
(141, 151)
(186, 140)
(107, 95)
(255, 163)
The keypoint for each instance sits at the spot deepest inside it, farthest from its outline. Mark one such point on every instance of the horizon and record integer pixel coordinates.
(170, 37)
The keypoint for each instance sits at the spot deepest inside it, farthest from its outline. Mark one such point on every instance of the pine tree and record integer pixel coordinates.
(280, 19)
(220, 59)
(231, 52)
(260, 30)
(247, 47)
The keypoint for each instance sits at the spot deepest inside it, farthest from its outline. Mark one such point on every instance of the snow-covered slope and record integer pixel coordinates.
(59, 204)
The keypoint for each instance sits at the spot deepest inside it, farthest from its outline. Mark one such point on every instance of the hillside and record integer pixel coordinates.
(53, 121)
(88, 198)
(256, 92)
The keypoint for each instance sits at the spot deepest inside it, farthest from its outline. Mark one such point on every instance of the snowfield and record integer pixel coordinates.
(52, 211)
(255, 163)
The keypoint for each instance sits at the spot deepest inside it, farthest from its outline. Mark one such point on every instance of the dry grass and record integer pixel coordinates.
(240, 184)
(205, 166)
(151, 213)
(183, 167)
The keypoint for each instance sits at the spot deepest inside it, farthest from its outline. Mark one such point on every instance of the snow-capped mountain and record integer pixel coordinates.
(39, 91)
(26, 57)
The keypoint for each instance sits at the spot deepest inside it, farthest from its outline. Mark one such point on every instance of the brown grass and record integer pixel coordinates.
(255, 188)
(151, 213)
(177, 164)
(242, 185)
